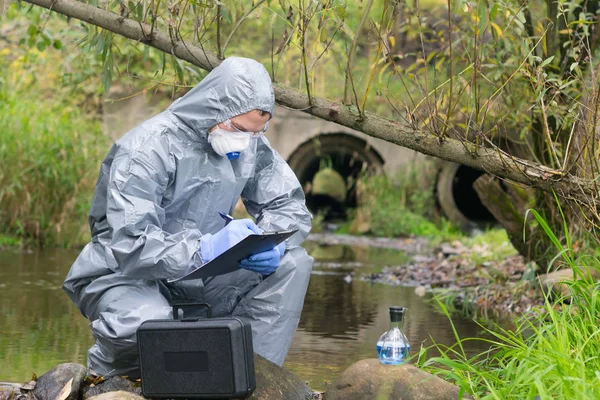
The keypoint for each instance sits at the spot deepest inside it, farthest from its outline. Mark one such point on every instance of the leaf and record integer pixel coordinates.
(66, 390)
(573, 66)
(392, 41)
(496, 28)
(440, 64)
(178, 69)
(323, 35)
(547, 61)
(41, 45)
(32, 30)
(283, 42)
(57, 44)
(163, 57)
(493, 12)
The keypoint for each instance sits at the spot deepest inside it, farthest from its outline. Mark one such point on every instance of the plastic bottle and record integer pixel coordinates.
(393, 346)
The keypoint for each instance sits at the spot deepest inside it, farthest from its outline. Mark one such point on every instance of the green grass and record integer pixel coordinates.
(491, 245)
(551, 352)
(10, 241)
(50, 152)
(401, 207)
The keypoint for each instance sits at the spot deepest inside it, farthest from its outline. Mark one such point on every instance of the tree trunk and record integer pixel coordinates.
(508, 204)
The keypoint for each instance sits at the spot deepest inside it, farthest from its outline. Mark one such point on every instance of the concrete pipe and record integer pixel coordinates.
(457, 199)
(347, 155)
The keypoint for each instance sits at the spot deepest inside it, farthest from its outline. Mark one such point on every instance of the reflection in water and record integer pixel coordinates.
(334, 309)
(39, 326)
(340, 323)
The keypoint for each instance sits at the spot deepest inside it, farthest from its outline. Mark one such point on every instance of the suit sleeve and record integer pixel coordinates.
(275, 197)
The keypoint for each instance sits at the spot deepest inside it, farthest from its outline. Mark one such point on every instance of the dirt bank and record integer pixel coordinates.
(506, 286)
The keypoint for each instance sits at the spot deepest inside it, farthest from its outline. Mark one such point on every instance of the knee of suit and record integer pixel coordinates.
(117, 328)
(298, 261)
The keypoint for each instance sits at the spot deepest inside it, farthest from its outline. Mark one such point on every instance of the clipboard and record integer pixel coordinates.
(228, 261)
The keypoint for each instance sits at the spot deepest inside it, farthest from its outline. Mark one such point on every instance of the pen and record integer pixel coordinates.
(228, 218)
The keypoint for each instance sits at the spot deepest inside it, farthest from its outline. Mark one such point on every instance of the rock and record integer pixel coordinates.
(420, 291)
(330, 183)
(60, 383)
(113, 384)
(272, 383)
(29, 386)
(9, 390)
(421, 258)
(369, 379)
(448, 250)
(554, 282)
(117, 395)
(276, 383)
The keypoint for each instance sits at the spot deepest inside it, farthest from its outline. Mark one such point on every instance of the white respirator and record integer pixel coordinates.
(229, 144)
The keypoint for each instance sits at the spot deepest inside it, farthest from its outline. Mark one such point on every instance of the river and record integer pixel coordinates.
(341, 320)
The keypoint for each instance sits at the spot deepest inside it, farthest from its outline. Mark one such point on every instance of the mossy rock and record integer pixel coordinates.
(330, 183)
(369, 379)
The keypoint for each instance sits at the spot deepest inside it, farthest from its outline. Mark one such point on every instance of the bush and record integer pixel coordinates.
(401, 207)
(50, 153)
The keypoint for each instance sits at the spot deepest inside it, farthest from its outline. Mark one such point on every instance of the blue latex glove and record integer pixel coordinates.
(264, 263)
(211, 246)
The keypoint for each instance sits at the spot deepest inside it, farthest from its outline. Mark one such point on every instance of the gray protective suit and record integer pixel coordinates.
(160, 188)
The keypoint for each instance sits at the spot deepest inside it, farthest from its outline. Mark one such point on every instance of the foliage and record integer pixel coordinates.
(519, 76)
(9, 241)
(551, 352)
(50, 151)
(400, 208)
(491, 245)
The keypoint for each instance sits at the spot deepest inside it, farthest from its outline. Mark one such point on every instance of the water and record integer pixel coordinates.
(393, 355)
(340, 324)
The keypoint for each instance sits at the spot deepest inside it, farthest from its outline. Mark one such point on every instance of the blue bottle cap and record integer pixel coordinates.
(233, 155)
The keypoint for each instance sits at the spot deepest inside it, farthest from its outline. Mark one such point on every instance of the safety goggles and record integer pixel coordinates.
(258, 134)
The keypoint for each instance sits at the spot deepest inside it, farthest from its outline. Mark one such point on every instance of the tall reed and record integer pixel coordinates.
(50, 153)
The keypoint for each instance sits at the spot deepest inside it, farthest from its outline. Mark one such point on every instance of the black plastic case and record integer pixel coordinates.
(196, 358)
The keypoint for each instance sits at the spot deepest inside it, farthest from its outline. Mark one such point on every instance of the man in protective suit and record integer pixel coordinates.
(154, 215)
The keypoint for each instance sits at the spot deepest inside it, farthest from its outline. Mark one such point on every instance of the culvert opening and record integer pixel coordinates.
(457, 198)
(466, 198)
(328, 166)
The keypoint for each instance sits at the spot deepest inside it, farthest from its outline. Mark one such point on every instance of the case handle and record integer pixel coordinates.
(183, 306)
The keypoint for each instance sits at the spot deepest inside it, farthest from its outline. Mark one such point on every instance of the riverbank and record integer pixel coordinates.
(11, 242)
(548, 348)
(477, 276)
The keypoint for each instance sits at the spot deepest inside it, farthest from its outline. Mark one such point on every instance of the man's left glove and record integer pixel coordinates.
(264, 263)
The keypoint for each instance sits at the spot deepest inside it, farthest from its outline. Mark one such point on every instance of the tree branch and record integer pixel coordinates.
(349, 86)
(490, 160)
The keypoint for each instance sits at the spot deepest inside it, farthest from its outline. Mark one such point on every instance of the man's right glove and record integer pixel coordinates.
(211, 246)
